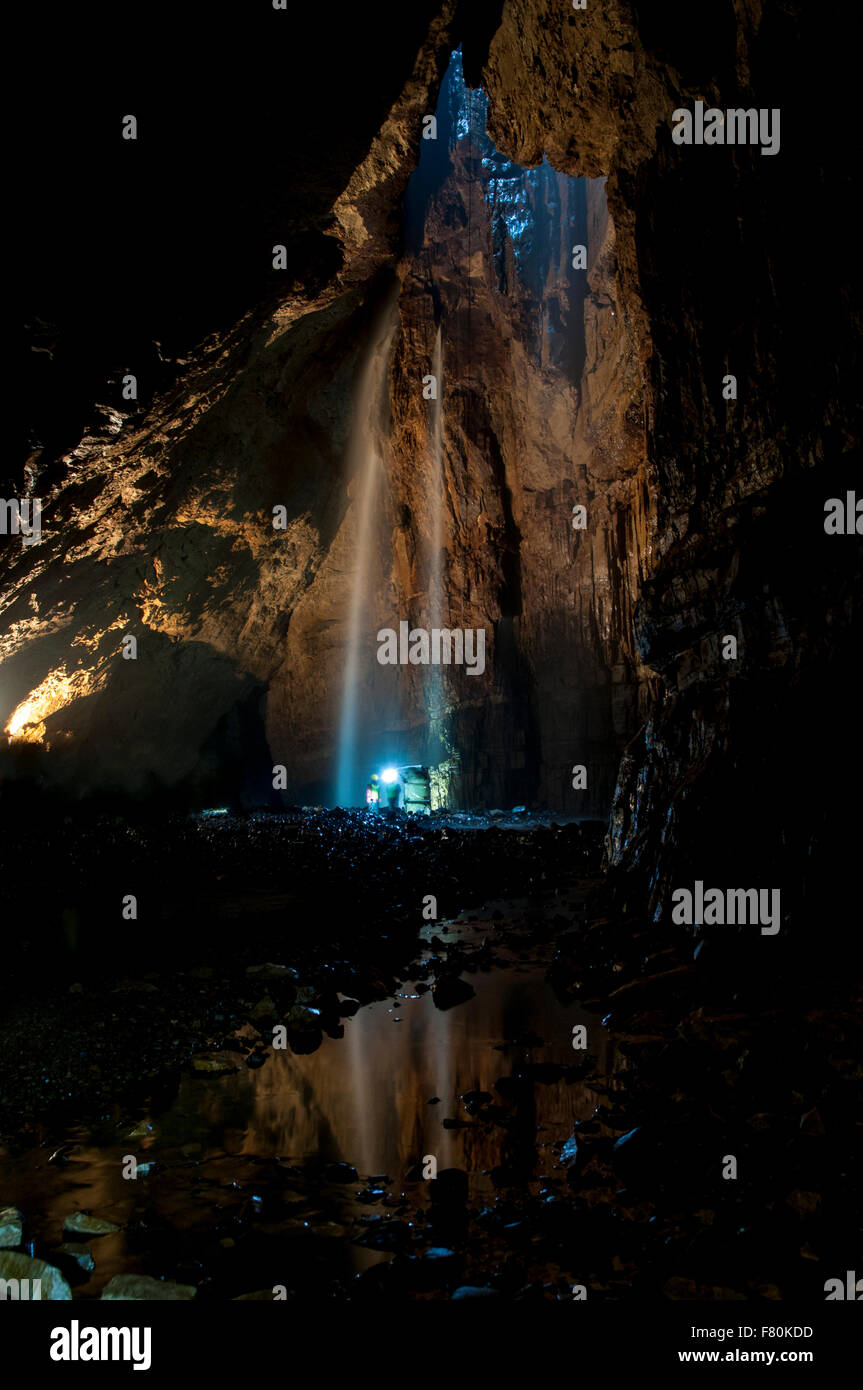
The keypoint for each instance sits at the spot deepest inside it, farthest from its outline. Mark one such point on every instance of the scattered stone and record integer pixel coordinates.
(52, 1286)
(61, 1154)
(81, 1223)
(81, 1254)
(142, 1130)
(300, 1019)
(387, 1235)
(11, 1227)
(214, 1064)
(304, 1029)
(451, 990)
(812, 1123)
(140, 1288)
(270, 970)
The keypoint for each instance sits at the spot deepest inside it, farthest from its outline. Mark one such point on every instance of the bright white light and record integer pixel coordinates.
(389, 774)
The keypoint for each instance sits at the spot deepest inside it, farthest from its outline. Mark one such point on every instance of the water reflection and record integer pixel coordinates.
(367, 1100)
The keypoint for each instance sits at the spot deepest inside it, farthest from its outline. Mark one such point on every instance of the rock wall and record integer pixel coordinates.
(735, 770)
(541, 413)
(159, 524)
(705, 514)
(160, 527)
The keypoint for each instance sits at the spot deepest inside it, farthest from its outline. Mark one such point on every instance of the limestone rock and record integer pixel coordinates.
(52, 1286)
(81, 1254)
(10, 1227)
(81, 1223)
(141, 1288)
(214, 1064)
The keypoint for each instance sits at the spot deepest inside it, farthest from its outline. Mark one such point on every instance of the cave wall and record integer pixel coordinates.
(735, 770)
(541, 411)
(706, 515)
(158, 523)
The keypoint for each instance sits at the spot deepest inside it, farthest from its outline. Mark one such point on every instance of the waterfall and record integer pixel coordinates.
(368, 442)
(437, 486)
(436, 530)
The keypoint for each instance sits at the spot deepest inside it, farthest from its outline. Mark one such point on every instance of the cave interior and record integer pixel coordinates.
(402, 395)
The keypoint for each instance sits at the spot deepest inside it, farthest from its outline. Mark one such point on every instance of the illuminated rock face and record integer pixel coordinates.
(540, 414)
(704, 515)
(160, 528)
(163, 530)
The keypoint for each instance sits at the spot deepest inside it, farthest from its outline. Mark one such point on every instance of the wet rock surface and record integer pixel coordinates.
(338, 894)
(559, 1166)
(10, 1228)
(125, 1288)
(35, 1279)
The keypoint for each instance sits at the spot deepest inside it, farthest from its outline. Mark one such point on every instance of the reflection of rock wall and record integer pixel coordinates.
(365, 1098)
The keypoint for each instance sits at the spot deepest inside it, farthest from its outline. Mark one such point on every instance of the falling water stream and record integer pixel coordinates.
(366, 454)
(436, 479)
(436, 557)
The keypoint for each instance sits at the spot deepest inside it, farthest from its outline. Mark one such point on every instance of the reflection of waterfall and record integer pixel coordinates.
(365, 1098)
(365, 469)
(365, 1129)
(435, 700)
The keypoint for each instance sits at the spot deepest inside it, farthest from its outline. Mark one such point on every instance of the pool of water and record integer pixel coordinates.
(241, 1195)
